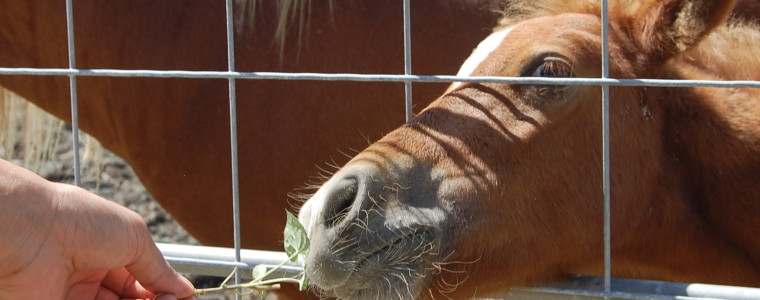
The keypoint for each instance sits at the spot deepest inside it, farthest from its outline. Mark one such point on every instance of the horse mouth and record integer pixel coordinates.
(398, 241)
(405, 248)
(397, 263)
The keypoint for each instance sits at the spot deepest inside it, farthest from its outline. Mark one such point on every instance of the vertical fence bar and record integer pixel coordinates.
(606, 152)
(233, 138)
(408, 59)
(73, 92)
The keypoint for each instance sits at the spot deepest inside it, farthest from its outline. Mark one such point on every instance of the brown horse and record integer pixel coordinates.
(175, 132)
(495, 185)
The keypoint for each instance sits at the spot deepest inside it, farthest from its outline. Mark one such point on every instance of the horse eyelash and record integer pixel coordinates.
(556, 68)
(553, 61)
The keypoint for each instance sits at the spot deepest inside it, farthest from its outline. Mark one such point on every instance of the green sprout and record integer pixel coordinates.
(296, 243)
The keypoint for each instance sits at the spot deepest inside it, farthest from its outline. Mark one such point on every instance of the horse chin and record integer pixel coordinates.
(396, 269)
(395, 287)
(374, 278)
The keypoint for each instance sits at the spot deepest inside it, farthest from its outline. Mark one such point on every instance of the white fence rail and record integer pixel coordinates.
(220, 262)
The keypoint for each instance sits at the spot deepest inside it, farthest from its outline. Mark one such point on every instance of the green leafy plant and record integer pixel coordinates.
(296, 243)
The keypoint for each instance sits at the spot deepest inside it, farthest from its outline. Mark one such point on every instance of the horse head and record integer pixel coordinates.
(497, 184)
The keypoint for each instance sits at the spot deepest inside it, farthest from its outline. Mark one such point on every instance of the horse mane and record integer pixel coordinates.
(518, 11)
(719, 53)
(289, 13)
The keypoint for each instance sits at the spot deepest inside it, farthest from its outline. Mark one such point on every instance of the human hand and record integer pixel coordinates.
(59, 241)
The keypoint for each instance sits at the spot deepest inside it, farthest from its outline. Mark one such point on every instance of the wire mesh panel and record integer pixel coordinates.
(221, 261)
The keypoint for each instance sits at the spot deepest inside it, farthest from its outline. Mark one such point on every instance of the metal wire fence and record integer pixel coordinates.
(221, 261)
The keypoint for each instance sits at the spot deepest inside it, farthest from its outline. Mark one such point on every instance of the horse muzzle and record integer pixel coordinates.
(374, 231)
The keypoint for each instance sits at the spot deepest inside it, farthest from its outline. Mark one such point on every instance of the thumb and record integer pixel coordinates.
(156, 275)
(115, 237)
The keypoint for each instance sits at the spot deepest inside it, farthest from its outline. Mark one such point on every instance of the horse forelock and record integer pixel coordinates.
(518, 11)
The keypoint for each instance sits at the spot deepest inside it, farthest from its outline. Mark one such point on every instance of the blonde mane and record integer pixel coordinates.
(518, 11)
(290, 13)
(718, 52)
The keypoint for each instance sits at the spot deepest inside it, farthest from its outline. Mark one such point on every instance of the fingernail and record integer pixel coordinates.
(162, 296)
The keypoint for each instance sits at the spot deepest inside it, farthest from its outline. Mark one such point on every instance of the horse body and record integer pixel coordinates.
(175, 132)
(496, 185)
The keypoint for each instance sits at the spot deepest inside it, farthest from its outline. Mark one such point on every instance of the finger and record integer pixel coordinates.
(121, 283)
(164, 297)
(117, 237)
(155, 274)
(170, 297)
(106, 294)
(87, 285)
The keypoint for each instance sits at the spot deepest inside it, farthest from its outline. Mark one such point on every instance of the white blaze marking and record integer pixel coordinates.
(480, 54)
(311, 210)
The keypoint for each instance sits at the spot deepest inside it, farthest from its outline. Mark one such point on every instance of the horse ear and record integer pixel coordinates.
(665, 28)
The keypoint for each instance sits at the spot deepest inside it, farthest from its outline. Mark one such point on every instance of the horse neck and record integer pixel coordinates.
(711, 165)
(712, 133)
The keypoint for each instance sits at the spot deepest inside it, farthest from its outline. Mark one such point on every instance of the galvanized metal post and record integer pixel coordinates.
(606, 151)
(73, 92)
(407, 59)
(233, 138)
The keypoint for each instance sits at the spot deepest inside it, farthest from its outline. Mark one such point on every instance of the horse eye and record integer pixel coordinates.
(552, 67)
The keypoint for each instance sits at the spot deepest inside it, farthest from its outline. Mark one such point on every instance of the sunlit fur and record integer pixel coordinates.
(505, 179)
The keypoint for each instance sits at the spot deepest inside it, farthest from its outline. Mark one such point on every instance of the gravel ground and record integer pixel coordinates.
(110, 177)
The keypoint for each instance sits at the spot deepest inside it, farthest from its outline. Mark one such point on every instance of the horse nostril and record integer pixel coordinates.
(339, 201)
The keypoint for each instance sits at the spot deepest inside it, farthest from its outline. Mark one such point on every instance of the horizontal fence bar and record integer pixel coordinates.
(219, 262)
(377, 77)
(586, 287)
